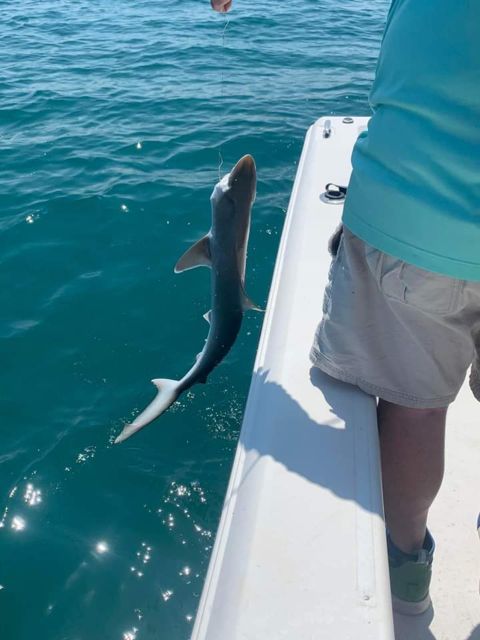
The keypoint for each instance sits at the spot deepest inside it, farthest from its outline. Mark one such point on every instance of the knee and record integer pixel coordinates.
(430, 410)
(430, 416)
(412, 412)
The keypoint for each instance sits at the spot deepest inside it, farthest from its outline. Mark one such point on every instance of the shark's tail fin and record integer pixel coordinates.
(167, 394)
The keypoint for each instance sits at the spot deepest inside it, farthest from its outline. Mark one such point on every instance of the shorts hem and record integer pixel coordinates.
(319, 360)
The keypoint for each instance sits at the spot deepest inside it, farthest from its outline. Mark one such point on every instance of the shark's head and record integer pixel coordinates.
(232, 201)
(242, 180)
(237, 187)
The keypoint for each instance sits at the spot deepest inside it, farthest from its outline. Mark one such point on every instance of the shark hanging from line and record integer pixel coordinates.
(224, 251)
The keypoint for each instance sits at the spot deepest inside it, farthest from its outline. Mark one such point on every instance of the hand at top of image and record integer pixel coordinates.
(221, 5)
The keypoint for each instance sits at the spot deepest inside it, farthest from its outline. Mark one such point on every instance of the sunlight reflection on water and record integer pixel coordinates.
(111, 125)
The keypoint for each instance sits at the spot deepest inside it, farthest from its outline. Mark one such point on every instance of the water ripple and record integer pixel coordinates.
(111, 120)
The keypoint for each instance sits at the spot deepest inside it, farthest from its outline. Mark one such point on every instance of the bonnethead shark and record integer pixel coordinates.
(224, 251)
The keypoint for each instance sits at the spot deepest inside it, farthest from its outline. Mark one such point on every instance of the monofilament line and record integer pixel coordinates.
(222, 67)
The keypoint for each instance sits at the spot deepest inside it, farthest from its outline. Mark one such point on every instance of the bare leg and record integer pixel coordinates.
(412, 443)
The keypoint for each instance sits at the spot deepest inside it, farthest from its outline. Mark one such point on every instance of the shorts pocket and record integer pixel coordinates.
(425, 290)
(335, 240)
(335, 246)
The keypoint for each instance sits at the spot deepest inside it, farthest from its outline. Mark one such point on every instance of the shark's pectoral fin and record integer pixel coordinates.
(197, 256)
(247, 304)
(208, 316)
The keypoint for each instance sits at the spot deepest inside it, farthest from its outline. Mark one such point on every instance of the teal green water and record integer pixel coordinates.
(111, 118)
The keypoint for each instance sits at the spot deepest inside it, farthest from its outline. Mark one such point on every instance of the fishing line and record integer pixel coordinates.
(222, 63)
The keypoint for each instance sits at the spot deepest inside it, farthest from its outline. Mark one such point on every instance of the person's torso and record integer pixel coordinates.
(415, 186)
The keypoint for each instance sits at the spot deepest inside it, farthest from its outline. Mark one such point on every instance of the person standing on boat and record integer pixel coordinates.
(402, 306)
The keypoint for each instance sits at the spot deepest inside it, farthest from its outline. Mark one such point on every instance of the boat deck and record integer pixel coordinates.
(455, 614)
(300, 552)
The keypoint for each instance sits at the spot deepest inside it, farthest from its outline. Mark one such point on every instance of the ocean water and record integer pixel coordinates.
(112, 115)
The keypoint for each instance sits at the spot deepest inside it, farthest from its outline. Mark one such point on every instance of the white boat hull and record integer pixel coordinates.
(300, 552)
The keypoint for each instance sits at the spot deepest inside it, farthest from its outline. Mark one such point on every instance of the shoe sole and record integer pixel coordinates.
(411, 608)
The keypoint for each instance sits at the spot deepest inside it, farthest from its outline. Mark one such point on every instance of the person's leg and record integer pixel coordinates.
(412, 452)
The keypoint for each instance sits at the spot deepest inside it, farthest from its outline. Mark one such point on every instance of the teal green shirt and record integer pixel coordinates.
(415, 186)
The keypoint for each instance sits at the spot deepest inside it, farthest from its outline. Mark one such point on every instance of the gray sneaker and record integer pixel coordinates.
(410, 575)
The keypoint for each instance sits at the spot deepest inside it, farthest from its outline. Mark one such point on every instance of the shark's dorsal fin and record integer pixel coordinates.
(197, 256)
(208, 316)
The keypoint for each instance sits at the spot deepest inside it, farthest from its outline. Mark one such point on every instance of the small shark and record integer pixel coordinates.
(224, 250)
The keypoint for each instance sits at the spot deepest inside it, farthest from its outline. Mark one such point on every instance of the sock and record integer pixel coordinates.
(399, 557)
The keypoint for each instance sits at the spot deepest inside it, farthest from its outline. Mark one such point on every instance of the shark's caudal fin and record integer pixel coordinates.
(166, 396)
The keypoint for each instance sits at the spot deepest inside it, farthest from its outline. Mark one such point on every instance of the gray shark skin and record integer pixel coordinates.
(224, 251)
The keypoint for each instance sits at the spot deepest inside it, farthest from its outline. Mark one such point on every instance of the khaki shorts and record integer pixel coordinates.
(398, 332)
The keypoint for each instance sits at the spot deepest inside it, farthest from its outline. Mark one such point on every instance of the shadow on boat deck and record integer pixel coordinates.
(417, 628)
(339, 453)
